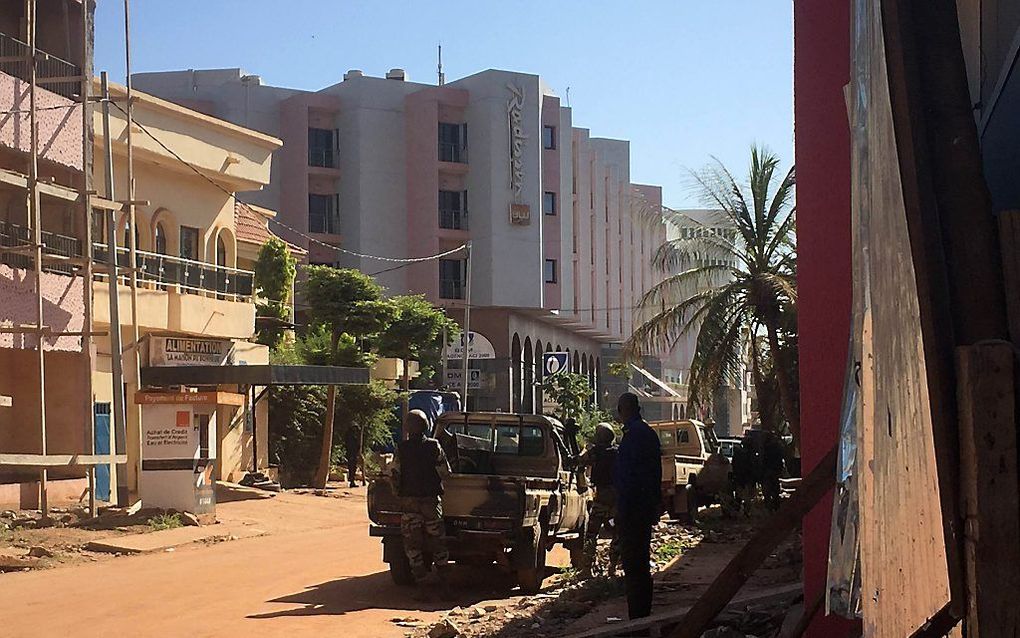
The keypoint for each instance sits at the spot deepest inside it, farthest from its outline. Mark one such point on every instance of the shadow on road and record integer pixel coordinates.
(377, 591)
(227, 493)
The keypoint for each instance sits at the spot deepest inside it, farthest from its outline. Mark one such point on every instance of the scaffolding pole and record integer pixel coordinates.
(132, 241)
(86, 206)
(116, 348)
(35, 217)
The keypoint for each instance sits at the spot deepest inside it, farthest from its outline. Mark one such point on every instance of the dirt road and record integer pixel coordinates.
(316, 572)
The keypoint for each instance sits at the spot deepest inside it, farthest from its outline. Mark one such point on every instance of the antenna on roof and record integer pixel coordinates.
(568, 97)
(442, 78)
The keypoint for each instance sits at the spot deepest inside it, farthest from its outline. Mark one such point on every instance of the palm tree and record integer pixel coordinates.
(730, 286)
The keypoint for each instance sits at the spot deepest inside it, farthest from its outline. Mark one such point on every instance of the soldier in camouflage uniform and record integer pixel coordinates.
(421, 468)
(601, 458)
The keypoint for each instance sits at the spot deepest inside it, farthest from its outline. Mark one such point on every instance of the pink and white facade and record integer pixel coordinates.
(384, 166)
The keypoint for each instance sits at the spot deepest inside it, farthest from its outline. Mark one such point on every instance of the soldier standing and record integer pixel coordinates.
(601, 458)
(352, 444)
(421, 468)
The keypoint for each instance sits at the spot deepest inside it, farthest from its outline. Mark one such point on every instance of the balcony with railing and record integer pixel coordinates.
(161, 272)
(453, 219)
(453, 152)
(63, 255)
(59, 250)
(58, 111)
(55, 75)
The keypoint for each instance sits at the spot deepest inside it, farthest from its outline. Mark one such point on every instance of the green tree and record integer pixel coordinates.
(569, 390)
(416, 333)
(730, 287)
(345, 302)
(275, 270)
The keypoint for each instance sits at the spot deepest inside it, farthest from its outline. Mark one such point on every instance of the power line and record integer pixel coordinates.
(401, 260)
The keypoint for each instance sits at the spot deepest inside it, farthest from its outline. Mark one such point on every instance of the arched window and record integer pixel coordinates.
(516, 370)
(159, 239)
(221, 251)
(528, 393)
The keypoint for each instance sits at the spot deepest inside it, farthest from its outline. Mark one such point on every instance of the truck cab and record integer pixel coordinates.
(694, 471)
(511, 496)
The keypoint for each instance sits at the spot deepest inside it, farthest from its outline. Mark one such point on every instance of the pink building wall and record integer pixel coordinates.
(426, 176)
(63, 308)
(297, 178)
(552, 246)
(60, 129)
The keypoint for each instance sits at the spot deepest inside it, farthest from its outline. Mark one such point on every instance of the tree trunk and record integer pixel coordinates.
(785, 386)
(326, 451)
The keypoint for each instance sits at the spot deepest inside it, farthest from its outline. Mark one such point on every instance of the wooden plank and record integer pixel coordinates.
(772, 532)
(60, 460)
(771, 596)
(907, 440)
(988, 473)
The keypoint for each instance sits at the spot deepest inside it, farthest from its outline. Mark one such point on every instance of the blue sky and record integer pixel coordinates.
(681, 79)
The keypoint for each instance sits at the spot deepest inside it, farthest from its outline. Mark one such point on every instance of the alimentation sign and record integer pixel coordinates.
(189, 351)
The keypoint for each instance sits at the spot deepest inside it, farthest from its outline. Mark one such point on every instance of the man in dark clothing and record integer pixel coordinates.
(421, 466)
(638, 479)
(601, 458)
(570, 431)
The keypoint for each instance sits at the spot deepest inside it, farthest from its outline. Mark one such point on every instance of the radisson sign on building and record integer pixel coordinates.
(520, 213)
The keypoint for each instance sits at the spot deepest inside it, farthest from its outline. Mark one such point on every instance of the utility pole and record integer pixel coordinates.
(132, 241)
(116, 347)
(467, 324)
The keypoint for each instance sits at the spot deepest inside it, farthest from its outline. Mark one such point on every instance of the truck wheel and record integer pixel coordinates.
(400, 571)
(530, 578)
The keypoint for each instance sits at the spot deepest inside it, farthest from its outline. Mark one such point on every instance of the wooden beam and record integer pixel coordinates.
(13, 178)
(778, 595)
(772, 532)
(60, 460)
(988, 479)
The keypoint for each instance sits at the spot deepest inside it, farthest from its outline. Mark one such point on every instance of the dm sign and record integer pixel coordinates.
(189, 351)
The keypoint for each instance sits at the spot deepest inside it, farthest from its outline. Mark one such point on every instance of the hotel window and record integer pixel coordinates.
(549, 203)
(189, 243)
(550, 271)
(453, 210)
(452, 142)
(451, 278)
(324, 214)
(322, 147)
(549, 137)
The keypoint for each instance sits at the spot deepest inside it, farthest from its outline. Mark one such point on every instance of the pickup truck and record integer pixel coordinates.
(693, 469)
(511, 496)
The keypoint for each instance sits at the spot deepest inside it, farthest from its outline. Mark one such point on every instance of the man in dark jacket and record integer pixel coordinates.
(352, 445)
(421, 466)
(638, 479)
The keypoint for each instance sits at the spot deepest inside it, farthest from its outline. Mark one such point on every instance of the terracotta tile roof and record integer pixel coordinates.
(251, 225)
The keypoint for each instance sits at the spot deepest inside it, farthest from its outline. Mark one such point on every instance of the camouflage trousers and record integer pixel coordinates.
(603, 509)
(421, 526)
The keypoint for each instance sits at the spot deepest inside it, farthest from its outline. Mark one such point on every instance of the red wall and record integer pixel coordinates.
(822, 146)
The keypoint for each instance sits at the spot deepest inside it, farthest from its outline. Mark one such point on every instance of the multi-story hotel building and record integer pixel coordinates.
(387, 167)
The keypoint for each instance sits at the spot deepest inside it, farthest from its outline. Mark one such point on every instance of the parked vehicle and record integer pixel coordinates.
(510, 498)
(693, 469)
(728, 447)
